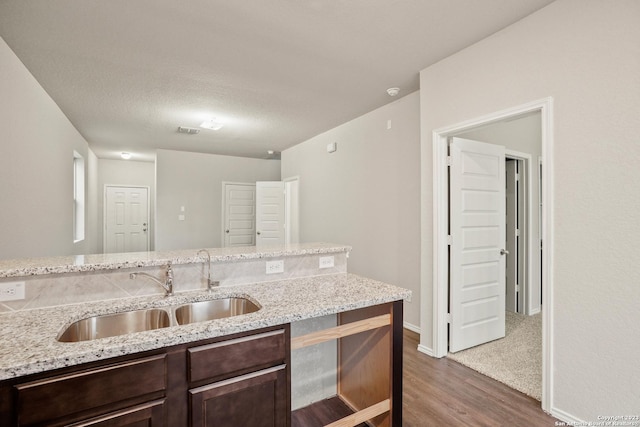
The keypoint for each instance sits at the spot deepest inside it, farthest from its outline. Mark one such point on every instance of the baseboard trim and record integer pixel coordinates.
(567, 418)
(426, 350)
(411, 327)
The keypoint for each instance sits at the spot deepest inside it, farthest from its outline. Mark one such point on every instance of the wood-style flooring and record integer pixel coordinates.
(441, 392)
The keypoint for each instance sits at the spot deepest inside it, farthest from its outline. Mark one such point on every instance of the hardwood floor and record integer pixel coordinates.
(441, 392)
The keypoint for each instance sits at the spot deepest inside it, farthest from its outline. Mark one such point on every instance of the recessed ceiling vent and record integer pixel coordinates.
(188, 131)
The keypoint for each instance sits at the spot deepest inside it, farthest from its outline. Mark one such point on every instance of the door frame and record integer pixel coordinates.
(104, 213)
(291, 228)
(440, 233)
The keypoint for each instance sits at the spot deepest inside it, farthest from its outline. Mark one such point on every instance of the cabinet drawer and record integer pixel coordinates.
(257, 399)
(237, 356)
(84, 391)
(150, 415)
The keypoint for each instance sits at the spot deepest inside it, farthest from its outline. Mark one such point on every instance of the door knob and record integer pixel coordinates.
(226, 231)
(504, 252)
(258, 233)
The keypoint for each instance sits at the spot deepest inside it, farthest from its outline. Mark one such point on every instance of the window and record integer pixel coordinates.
(78, 197)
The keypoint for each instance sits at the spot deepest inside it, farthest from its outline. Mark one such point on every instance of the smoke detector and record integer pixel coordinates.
(393, 91)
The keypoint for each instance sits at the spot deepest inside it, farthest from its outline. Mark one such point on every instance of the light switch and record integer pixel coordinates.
(180, 217)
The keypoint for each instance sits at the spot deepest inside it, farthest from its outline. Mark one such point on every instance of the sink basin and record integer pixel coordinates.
(214, 309)
(110, 325)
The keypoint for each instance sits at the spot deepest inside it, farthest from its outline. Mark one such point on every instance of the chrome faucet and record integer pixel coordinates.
(210, 283)
(168, 280)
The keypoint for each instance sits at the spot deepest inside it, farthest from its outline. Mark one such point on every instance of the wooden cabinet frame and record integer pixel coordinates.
(369, 364)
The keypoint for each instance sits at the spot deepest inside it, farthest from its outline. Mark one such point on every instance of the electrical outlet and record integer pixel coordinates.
(11, 291)
(326, 261)
(408, 299)
(274, 267)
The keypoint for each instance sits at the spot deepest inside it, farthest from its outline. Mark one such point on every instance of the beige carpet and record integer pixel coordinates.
(515, 360)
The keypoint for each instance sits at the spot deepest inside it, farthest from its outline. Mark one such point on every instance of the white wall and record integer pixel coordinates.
(586, 55)
(367, 193)
(524, 136)
(194, 180)
(36, 167)
(126, 172)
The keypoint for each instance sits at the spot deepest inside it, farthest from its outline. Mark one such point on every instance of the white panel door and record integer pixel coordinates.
(477, 222)
(239, 215)
(511, 243)
(126, 221)
(270, 213)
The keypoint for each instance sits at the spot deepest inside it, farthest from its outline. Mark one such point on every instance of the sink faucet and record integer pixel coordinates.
(168, 280)
(210, 283)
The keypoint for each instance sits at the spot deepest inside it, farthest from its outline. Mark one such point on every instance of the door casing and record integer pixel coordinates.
(438, 309)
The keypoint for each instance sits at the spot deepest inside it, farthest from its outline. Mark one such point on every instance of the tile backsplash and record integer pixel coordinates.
(72, 288)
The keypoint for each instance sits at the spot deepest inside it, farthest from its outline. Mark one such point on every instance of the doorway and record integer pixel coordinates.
(441, 232)
(261, 213)
(126, 219)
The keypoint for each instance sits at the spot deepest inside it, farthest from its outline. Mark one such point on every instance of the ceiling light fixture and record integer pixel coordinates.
(125, 155)
(393, 91)
(212, 124)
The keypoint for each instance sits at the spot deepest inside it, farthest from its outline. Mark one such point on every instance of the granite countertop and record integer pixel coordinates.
(97, 262)
(28, 342)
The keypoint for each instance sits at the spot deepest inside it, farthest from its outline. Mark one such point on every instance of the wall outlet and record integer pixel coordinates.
(274, 267)
(408, 299)
(11, 291)
(326, 261)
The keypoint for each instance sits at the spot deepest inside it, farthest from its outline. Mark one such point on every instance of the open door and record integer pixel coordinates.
(512, 237)
(477, 229)
(270, 211)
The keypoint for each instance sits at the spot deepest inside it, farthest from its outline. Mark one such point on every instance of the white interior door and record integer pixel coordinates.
(511, 244)
(239, 214)
(270, 211)
(477, 222)
(126, 219)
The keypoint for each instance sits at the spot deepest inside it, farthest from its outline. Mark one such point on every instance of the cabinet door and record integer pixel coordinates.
(258, 399)
(147, 415)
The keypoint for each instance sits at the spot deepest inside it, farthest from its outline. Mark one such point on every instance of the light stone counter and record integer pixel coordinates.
(28, 338)
(102, 262)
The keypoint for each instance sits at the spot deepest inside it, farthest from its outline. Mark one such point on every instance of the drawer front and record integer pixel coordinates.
(237, 356)
(258, 399)
(84, 391)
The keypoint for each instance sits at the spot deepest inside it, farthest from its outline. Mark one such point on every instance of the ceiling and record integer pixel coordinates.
(128, 73)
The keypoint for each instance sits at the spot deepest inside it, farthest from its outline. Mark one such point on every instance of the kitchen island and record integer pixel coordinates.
(184, 364)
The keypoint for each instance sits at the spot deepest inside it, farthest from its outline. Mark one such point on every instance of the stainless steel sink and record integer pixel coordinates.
(110, 325)
(214, 309)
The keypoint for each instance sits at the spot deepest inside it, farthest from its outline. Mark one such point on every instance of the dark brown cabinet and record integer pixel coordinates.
(225, 403)
(217, 382)
(147, 415)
